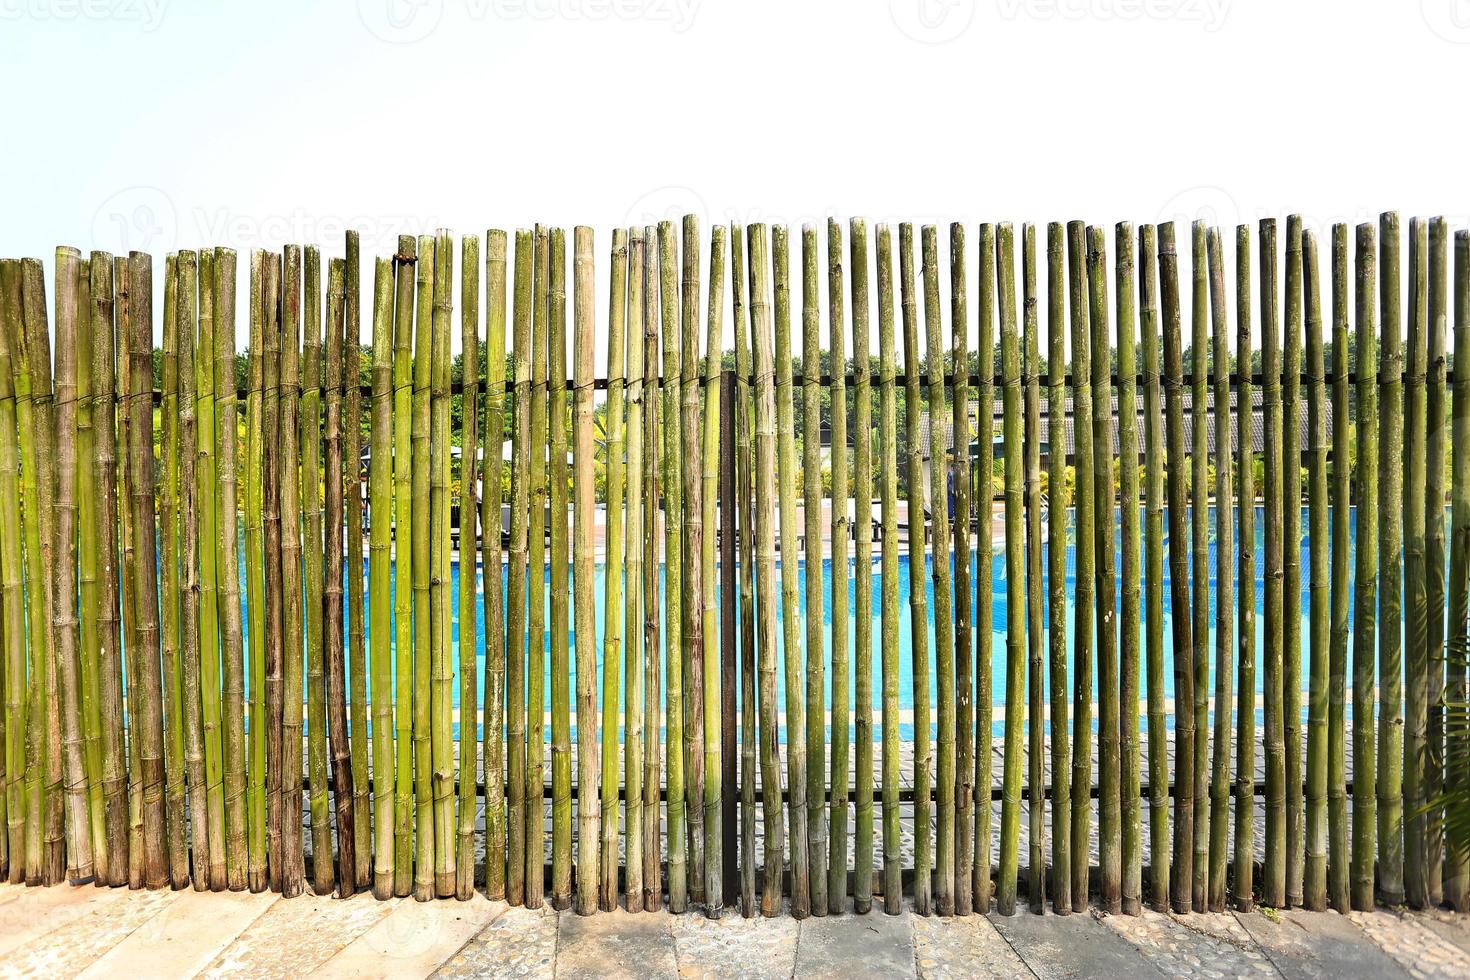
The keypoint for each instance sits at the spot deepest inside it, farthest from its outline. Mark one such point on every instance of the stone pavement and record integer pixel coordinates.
(66, 932)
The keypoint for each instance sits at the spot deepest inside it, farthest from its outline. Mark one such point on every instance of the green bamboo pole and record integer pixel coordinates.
(535, 810)
(892, 884)
(790, 608)
(1365, 576)
(1337, 819)
(939, 539)
(692, 637)
(1457, 747)
(87, 586)
(313, 554)
(1291, 563)
(612, 636)
(1086, 503)
(745, 543)
(632, 548)
(170, 583)
(492, 563)
(1416, 646)
(1199, 525)
(403, 601)
(1224, 582)
(765, 567)
(228, 562)
(148, 723)
(816, 654)
(1314, 888)
(1391, 508)
(1273, 882)
(255, 560)
(129, 613)
(44, 642)
(271, 520)
(205, 493)
(1131, 832)
(1110, 836)
(1153, 569)
(589, 818)
(516, 653)
(335, 673)
(293, 865)
(714, 788)
(1436, 404)
(1182, 858)
(380, 574)
(1010, 359)
(357, 665)
(1035, 586)
(13, 599)
(981, 885)
(841, 712)
(1057, 504)
(186, 322)
(918, 603)
(862, 404)
(1245, 575)
(109, 657)
(556, 476)
(674, 566)
(964, 661)
(441, 659)
(423, 573)
(79, 864)
(652, 846)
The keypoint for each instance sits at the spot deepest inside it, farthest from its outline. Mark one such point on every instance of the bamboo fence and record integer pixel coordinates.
(376, 598)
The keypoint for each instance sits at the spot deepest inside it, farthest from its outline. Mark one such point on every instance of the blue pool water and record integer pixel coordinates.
(1000, 585)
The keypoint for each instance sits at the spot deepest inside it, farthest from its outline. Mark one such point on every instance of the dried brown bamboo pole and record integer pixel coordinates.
(423, 573)
(255, 558)
(87, 586)
(14, 611)
(1314, 887)
(79, 864)
(313, 554)
(469, 501)
(625, 359)
(535, 768)
(745, 515)
(1291, 557)
(293, 864)
(652, 846)
(981, 886)
(209, 636)
(714, 788)
(1273, 882)
(589, 817)
(1199, 525)
(1035, 587)
(171, 583)
(556, 475)
(816, 654)
(441, 659)
(332, 612)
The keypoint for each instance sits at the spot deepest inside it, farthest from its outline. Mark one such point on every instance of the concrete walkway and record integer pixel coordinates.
(66, 932)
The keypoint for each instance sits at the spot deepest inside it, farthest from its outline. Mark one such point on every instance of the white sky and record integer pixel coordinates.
(161, 124)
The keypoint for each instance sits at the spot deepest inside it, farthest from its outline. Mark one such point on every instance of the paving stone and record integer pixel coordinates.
(963, 946)
(1421, 951)
(1311, 945)
(414, 939)
(1065, 946)
(66, 951)
(615, 945)
(297, 935)
(182, 939)
(519, 943)
(757, 948)
(844, 946)
(1180, 951)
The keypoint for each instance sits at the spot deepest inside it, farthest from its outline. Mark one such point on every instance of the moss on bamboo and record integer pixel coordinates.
(441, 658)
(1314, 888)
(816, 656)
(1225, 584)
(1391, 509)
(862, 401)
(892, 886)
(1086, 503)
(1061, 745)
(403, 600)
(964, 655)
(588, 815)
(492, 565)
(632, 549)
(1131, 834)
(1245, 575)
(380, 575)
(1416, 645)
(1010, 358)
(714, 788)
(1338, 860)
(840, 528)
